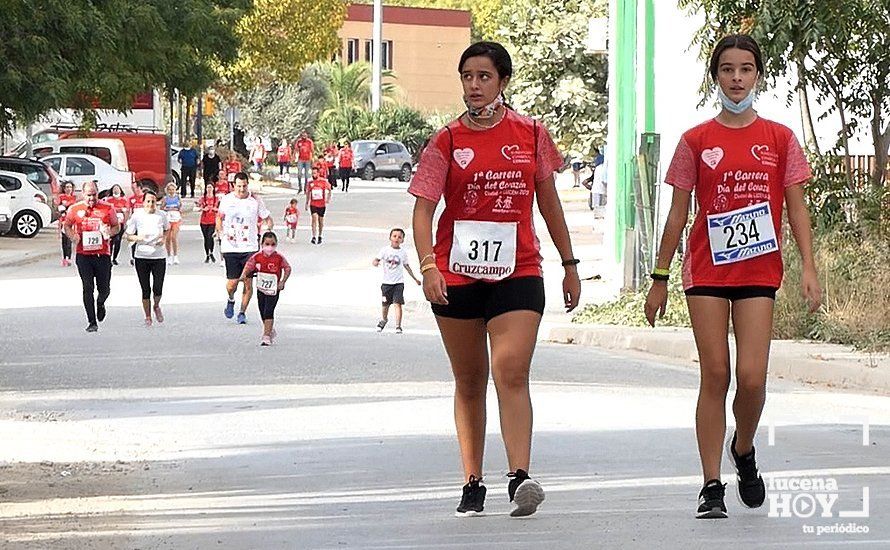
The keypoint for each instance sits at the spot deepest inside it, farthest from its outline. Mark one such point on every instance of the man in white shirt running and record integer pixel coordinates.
(238, 225)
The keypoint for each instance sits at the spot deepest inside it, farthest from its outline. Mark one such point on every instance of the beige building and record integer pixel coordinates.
(421, 46)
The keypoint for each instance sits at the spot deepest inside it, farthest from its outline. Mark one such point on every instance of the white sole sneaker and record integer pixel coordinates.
(738, 481)
(469, 514)
(529, 495)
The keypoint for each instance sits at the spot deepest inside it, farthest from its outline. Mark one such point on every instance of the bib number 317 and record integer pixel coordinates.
(483, 250)
(742, 234)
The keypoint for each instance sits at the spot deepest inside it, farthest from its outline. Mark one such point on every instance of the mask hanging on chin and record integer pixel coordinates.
(486, 111)
(741, 106)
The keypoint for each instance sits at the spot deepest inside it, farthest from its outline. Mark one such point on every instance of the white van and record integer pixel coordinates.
(110, 150)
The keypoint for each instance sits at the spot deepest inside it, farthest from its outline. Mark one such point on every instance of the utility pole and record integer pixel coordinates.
(376, 55)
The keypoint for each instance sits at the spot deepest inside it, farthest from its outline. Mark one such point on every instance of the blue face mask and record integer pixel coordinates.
(732, 106)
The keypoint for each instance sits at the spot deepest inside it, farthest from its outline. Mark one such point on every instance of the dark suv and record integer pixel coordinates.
(41, 175)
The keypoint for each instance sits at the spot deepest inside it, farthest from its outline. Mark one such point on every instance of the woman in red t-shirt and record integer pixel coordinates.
(743, 169)
(209, 207)
(66, 199)
(483, 275)
(344, 158)
(121, 205)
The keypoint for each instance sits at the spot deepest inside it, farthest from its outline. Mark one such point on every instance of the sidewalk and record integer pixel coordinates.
(802, 361)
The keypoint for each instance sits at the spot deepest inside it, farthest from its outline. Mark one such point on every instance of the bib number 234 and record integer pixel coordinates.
(742, 234)
(483, 250)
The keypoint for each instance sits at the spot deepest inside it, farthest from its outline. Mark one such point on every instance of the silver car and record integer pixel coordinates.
(376, 158)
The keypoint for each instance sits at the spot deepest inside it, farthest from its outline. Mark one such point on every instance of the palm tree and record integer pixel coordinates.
(350, 86)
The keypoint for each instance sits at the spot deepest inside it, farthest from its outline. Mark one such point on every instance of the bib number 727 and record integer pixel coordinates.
(742, 234)
(483, 250)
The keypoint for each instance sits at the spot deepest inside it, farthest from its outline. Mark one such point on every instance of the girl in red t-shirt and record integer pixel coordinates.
(208, 205)
(272, 271)
(66, 199)
(483, 275)
(743, 170)
(291, 217)
(121, 204)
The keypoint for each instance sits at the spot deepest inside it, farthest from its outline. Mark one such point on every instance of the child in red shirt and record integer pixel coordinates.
(272, 271)
(291, 217)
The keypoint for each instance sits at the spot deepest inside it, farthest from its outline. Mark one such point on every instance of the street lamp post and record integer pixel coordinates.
(376, 55)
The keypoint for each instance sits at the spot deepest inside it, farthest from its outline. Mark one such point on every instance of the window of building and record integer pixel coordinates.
(352, 51)
(387, 53)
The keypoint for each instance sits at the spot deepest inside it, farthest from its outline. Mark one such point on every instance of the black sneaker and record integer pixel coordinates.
(100, 312)
(381, 325)
(313, 240)
(113, 262)
(92, 327)
(751, 489)
(525, 493)
(319, 239)
(213, 258)
(207, 259)
(472, 502)
(710, 501)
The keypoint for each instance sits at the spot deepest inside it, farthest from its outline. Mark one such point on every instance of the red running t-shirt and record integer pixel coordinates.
(209, 208)
(305, 149)
(88, 223)
(291, 216)
(486, 176)
(317, 192)
(739, 170)
(120, 204)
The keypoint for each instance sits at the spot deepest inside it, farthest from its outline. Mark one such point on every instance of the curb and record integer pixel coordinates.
(806, 362)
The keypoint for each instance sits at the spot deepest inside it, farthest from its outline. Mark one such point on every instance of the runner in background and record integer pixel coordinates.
(90, 224)
(345, 162)
(211, 165)
(304, 150)
(258, 156)
(122, 206)
(395, 262)
(330, 161)
(232, 166)
(238, 223)
(209, 207)
(284, 154)
(135, 204)
(318, 196)
(272, 271)
(291, 218)
(145, 229)
(65, 200)
(484, 275)
(172, 205)
(743, 170)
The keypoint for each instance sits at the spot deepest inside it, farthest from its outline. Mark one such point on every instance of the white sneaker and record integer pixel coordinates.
(169, 260)
(175, 260)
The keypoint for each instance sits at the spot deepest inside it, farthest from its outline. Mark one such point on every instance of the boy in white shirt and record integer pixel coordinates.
(395, 262)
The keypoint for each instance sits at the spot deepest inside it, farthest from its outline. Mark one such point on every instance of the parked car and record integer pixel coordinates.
(375, 158)
(45, 178)
(23, 207)
(80, 169)
(147, 150)
(111, 151)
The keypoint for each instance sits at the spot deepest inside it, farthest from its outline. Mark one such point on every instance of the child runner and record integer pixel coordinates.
(209, 206)
(291, 217)
(121, 204)
(272, 271)
(318, 195)
(231, 167)
(743, 170)
(173, 207)
(395, 261)
(66, 199)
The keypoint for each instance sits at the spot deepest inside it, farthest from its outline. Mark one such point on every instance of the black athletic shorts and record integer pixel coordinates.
(483, 300)
(733, 293)
(235, 262)
(317, 210)
(393, 294)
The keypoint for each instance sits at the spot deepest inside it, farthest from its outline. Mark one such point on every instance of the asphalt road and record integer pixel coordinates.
(189, 435)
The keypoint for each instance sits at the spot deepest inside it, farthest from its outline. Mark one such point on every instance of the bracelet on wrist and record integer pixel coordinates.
(659, 277)
(428, 257)
(662, 271)
(428, 267)
(573, 261)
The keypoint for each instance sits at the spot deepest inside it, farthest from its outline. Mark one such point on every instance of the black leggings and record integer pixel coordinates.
(116, 245)
(66, 247)
(207, 230)
(148, 269)
(267, 305)
(95, 273)
(345, 173)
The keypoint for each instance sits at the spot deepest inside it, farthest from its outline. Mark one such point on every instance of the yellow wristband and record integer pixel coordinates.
(427, 257)
(427, 267)
(661, 271)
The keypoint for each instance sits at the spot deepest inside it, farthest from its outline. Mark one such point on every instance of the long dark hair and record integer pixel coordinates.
(740, 41)
(498, 55)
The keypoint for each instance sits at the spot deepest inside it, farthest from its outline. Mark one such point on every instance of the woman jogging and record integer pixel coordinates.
(172, 205)
(743, 170)
(66, 199)
(209, 206)
(483, 276)
(122, 205)
(146, 229)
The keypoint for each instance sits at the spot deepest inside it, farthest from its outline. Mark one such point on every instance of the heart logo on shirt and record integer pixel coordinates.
(712, 157)
(463, 157)
(508, 150)
(756, 150)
